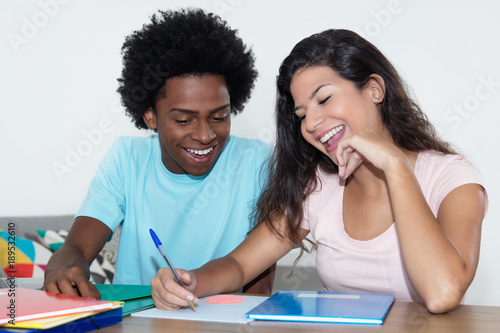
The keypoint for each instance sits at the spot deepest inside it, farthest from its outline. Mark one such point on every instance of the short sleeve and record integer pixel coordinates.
(444, 174)
(105, 199)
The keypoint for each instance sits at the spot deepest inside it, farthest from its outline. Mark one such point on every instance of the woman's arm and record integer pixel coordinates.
(259, 251)
(440, 254)
(262, 284)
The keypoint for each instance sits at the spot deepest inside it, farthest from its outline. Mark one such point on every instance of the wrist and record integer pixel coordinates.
(398, 168)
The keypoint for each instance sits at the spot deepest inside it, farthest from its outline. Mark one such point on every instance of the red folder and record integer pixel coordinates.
(21, 304)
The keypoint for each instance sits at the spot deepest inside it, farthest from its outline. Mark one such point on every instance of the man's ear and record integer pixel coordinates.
(150, 119)
(376, 88)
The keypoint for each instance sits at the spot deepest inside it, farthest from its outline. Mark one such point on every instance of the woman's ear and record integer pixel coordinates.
(376, 88)
(150, 119)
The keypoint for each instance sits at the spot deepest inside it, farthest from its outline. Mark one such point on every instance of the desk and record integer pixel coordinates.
(403, 317)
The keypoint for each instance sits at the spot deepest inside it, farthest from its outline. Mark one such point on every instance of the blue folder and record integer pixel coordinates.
(94, 322)
(324, 306)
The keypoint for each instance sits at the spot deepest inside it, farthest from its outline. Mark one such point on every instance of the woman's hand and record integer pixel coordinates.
(168, 294)
(368, 146)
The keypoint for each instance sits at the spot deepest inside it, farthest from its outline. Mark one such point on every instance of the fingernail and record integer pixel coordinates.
(190, 298)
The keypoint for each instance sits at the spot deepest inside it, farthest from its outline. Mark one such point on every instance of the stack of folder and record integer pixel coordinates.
(27, 310)
(135, 297)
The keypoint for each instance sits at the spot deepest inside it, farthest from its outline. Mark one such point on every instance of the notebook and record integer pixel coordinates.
(324, 306)
(27, 304)
(210, 309)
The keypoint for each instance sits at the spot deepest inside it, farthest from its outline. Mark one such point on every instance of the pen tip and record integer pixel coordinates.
(192, 306)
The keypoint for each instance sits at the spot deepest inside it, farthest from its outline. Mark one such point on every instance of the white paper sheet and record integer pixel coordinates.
(224, 313)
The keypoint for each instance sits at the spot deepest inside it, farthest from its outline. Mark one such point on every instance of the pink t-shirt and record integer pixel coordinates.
(346, 264)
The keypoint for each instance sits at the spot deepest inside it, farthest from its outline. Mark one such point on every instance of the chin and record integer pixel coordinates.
(201, 172)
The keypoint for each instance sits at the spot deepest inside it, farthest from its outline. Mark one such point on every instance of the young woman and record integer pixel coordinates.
(391, 206)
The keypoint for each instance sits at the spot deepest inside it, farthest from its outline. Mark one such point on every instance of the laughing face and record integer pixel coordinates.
(331, 108)
(193, 123)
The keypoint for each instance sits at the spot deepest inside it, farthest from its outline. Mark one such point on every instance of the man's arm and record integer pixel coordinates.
(67, 271)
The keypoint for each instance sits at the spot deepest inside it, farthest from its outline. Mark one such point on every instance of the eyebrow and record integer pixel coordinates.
(312, 95)
(192, 112)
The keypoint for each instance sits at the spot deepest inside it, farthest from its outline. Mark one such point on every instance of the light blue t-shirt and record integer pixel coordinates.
(197, 218)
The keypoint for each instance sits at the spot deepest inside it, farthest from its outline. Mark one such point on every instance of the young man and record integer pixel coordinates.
(192, 182)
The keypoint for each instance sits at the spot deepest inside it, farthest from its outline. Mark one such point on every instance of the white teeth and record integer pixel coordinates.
(331, 133)
(200, 152)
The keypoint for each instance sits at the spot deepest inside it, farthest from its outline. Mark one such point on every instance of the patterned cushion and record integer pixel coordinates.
(22, 257)
(101, 269)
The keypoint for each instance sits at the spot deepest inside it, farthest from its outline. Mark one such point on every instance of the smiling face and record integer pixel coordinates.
(332, 108)
(193, 123)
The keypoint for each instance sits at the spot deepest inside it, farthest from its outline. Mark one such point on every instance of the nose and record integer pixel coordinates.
(312, 120)
(204, 133)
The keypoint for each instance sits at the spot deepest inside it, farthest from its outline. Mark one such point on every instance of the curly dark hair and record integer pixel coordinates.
(295, 162)
(178, 44)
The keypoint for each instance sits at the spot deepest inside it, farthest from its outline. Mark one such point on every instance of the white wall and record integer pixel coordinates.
(60, 60)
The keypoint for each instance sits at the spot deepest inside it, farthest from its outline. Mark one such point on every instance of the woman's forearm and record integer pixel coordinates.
(436, 266)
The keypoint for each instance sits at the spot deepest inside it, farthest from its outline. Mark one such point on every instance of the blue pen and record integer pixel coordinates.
(169, 264)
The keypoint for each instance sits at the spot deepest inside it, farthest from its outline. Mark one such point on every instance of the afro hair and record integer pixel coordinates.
(178, 44)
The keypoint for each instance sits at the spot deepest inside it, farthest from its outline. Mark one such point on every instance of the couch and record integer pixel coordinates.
(36, 238)
(25, 226)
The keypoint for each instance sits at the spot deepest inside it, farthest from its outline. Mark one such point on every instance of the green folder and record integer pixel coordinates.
(135, 297)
